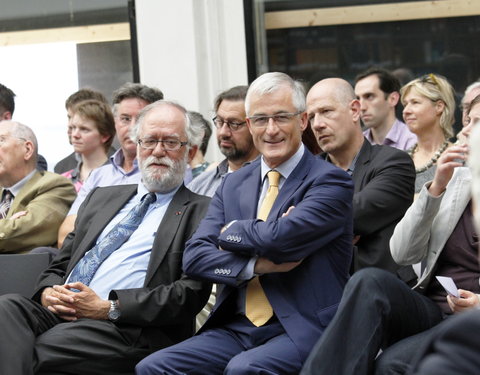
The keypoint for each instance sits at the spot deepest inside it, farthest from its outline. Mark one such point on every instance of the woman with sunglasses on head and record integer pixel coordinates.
(93, 129)
(429, 106)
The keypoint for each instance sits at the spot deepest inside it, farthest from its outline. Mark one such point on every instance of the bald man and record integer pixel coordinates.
(384, 177)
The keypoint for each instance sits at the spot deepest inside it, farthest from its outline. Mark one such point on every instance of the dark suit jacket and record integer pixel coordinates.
(318, 230)
(384, 180)
(163, 311)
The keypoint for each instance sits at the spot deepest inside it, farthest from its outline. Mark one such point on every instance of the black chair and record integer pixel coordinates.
(19, 272)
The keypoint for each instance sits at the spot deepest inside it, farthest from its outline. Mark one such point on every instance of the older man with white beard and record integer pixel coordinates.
(116, 291)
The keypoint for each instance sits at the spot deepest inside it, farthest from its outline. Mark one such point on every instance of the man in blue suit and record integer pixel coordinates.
(278, 236)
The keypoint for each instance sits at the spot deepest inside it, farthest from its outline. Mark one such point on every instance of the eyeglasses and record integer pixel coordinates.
(167, 144)
(279, 119)
(232, 125)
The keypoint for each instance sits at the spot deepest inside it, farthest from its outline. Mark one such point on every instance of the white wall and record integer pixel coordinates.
(192, 50)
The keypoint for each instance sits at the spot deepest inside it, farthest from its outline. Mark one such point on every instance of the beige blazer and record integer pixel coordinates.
(428, 223)
(46, 197)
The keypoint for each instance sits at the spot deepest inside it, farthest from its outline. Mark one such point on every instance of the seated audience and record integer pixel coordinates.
(7, 106)
(378, 91)
(429, 109)
(378, 311)
(33, 203)
(116, 291)
(233, 137)
(198, 163)
(92, 129)
(283, 260)
(71, 161)
(128, 101)
(384, 177)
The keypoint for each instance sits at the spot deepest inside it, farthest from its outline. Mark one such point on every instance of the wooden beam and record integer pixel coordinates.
(77, 34)
(372, 13)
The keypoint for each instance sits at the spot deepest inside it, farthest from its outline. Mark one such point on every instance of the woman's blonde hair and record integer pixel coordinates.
(435, 88)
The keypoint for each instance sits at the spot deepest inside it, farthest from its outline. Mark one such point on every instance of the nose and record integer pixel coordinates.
(75, 132)
(224, 130)
(159, 150)
(316, 123)
(272, 127)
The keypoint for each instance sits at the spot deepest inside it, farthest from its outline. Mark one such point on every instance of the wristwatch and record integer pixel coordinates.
(114, 312)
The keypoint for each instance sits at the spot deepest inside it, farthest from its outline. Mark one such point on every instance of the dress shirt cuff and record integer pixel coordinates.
(248, 271)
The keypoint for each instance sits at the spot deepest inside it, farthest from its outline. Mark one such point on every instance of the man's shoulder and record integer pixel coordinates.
(383, 153)
(49, 179)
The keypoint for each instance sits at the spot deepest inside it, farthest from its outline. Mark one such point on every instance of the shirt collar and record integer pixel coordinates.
(287, 167)
(15, 189)
(117, 160)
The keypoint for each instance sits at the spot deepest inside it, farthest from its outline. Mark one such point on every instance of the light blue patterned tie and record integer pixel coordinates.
(120, 233)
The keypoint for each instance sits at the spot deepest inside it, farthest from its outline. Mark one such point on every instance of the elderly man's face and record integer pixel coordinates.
(334, 123)
(13, 153)
(162, 169)
(466, 100)
(276, 125)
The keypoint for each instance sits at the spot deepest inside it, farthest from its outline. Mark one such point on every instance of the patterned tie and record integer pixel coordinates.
(6, 203)
(257, 308)
(120, 233)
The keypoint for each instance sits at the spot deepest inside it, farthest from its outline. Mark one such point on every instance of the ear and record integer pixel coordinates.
(439, 106)
(7, 115)
(29, 150)
(191, 153)
(304, 121)
(355, 109)
(104, 138)
(393, 98)
(249, 126)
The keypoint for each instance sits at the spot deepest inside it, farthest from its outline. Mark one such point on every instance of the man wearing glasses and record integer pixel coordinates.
(233, 137)
(128, 101)
(277, 235)
(117, 290)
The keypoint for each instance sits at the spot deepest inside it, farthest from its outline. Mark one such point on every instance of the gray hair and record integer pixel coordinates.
(272, 82)
(472, 86)
(21, 131)
(194, 133)
(135, 90)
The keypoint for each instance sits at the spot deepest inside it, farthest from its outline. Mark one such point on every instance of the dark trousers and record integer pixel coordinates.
(377, 310)
(239, 348)
(452, 349)
(36, 341)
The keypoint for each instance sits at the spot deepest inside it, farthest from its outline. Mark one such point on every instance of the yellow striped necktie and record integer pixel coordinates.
(257, 308)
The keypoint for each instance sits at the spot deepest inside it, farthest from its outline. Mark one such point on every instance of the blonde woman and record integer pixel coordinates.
(429, 106)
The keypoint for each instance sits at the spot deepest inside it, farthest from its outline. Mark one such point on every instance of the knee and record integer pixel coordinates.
(242, 365)
(154, 364)
(368, 279)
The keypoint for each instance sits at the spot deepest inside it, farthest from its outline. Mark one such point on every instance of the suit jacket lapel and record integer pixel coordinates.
(292, 183)
(361, 164)
(24, 191)
(167, 230)
(112, 205)
(251, 185)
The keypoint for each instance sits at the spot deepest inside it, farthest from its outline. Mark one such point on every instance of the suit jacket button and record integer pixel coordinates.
(216, 271)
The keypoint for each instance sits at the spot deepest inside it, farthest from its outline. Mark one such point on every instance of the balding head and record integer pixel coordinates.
(334, 115)
(18, 152)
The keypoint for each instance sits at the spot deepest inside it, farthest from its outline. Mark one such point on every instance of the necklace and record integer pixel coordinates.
(432, 161)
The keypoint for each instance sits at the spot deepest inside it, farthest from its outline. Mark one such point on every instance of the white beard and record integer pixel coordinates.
(162, 182)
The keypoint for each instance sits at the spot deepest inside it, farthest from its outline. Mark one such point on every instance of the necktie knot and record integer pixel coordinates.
(149, 198)
(273, 178)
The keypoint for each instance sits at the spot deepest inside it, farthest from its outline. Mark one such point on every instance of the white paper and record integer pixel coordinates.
(449, 285)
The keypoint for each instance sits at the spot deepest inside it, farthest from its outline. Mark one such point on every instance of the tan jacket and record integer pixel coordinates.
(46, 197)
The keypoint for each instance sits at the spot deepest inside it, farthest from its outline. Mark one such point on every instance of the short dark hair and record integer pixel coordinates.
(84, 94)
(388, 83)
(237, 93)
(137, 90)
(7, 101)
(197, 119)
(100, 113)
